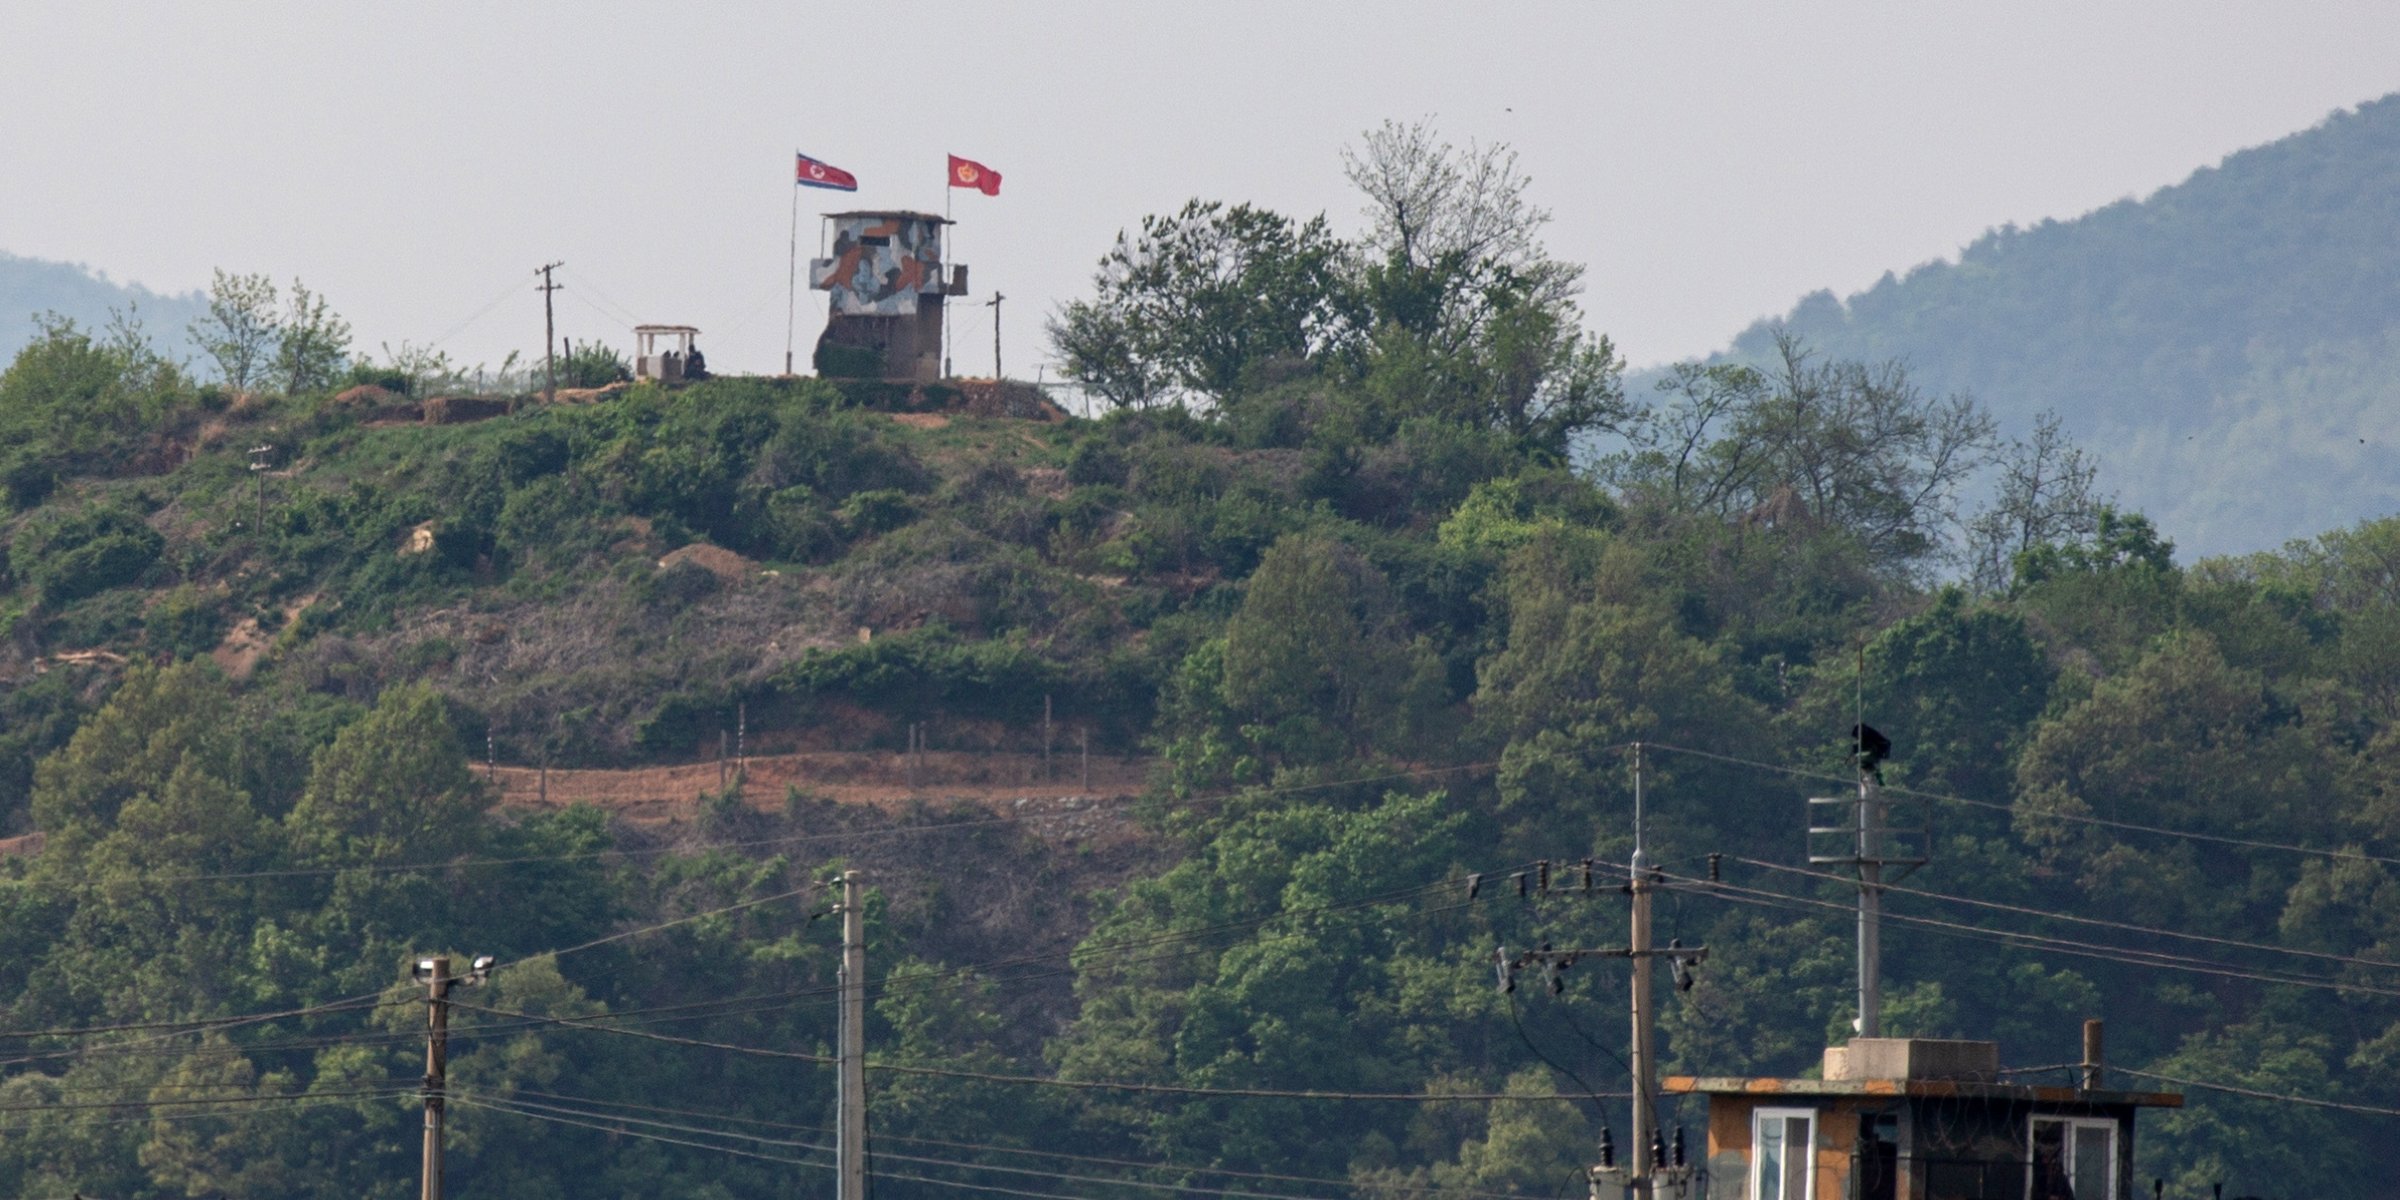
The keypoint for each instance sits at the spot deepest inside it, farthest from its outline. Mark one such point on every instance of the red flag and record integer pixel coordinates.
(812, 173)
(968, 174)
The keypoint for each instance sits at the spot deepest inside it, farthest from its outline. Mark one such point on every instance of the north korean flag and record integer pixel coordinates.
(968, 173)
(813, 173)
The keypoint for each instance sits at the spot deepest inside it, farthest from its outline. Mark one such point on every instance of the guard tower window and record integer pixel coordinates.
(2073, 1158)
(875, 239)
(1783, 1151)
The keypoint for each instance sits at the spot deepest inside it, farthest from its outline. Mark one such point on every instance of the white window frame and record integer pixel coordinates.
(2115, 1186)
(1808, 1150)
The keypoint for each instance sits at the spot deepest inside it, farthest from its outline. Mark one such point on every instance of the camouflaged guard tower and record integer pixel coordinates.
(886, 276)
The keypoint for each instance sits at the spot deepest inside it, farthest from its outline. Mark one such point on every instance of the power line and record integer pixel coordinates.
(357, 1002)
(623, 315)
(387, 1088)
(614, 1122)
(2034, 941)
(2023, 910)
(669, 924)
(1428, 1188)
(792, 1144)
(503, 298)
(1047, 1081)
(368, 1001)
(2076, 818)
(196, 1025)
(263, 1104)
(467, 1102)
(2253, 1093)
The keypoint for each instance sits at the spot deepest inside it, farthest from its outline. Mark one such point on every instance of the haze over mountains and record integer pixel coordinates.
(2229, 347)
(30, 287)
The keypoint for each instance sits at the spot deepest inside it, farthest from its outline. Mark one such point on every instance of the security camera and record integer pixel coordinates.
(482, 969)
(422, 971)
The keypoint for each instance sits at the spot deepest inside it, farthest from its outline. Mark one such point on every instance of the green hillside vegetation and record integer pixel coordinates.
(2240, 328)
(1326, 562)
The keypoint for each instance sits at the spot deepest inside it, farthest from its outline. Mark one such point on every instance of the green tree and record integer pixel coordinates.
(1318, 662)
(1314, 968)
(241, 330)
(2186, 741)
(1592, 661)
(157, 721)
(1204, 301)
(393, 786)
(1847, 446)
(312, 345)
(71, 401)
(1471, 319)
(2254, 1145)
(2046, 495)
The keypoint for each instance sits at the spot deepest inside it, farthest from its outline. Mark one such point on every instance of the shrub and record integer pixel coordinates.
(592, 365)
(186, 621)
(85, 553)
(879, 511)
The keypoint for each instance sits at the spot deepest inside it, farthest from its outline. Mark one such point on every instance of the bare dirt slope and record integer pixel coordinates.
(1004, 783)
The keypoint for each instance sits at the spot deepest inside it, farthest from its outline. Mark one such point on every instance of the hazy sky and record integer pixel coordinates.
(1709, 162)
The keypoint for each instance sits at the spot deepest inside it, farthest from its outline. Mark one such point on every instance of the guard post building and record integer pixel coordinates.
(887, 281)
(1918, 1119)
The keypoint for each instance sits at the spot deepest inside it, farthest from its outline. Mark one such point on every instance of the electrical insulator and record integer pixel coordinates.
(1679, 1145)
(1608, 1148)
(1658, 1150)
(1508, 974)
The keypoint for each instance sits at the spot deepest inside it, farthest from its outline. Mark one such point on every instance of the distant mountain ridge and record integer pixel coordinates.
(2229, 347)
(32, 286)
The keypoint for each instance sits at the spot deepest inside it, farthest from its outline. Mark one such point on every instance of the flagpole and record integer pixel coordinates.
(949, 247)
(791, 304)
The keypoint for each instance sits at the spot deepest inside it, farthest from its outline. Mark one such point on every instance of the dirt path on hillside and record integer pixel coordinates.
(1006, 783)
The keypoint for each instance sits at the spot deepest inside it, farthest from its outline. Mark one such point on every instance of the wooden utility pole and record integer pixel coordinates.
(995, 307)
(258, 473)
(851, 1148)
(1046, 738)
(549, 333)
(437, 1068)
(434, 973)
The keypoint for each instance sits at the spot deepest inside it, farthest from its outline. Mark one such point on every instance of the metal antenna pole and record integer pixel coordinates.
(1870, 908)
(1870, 869)
(852, 1147)
(1644, 1063)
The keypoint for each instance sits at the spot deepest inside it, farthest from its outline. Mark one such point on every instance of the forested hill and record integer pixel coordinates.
(2229, 346)
(1323, 571)
(31, 287)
